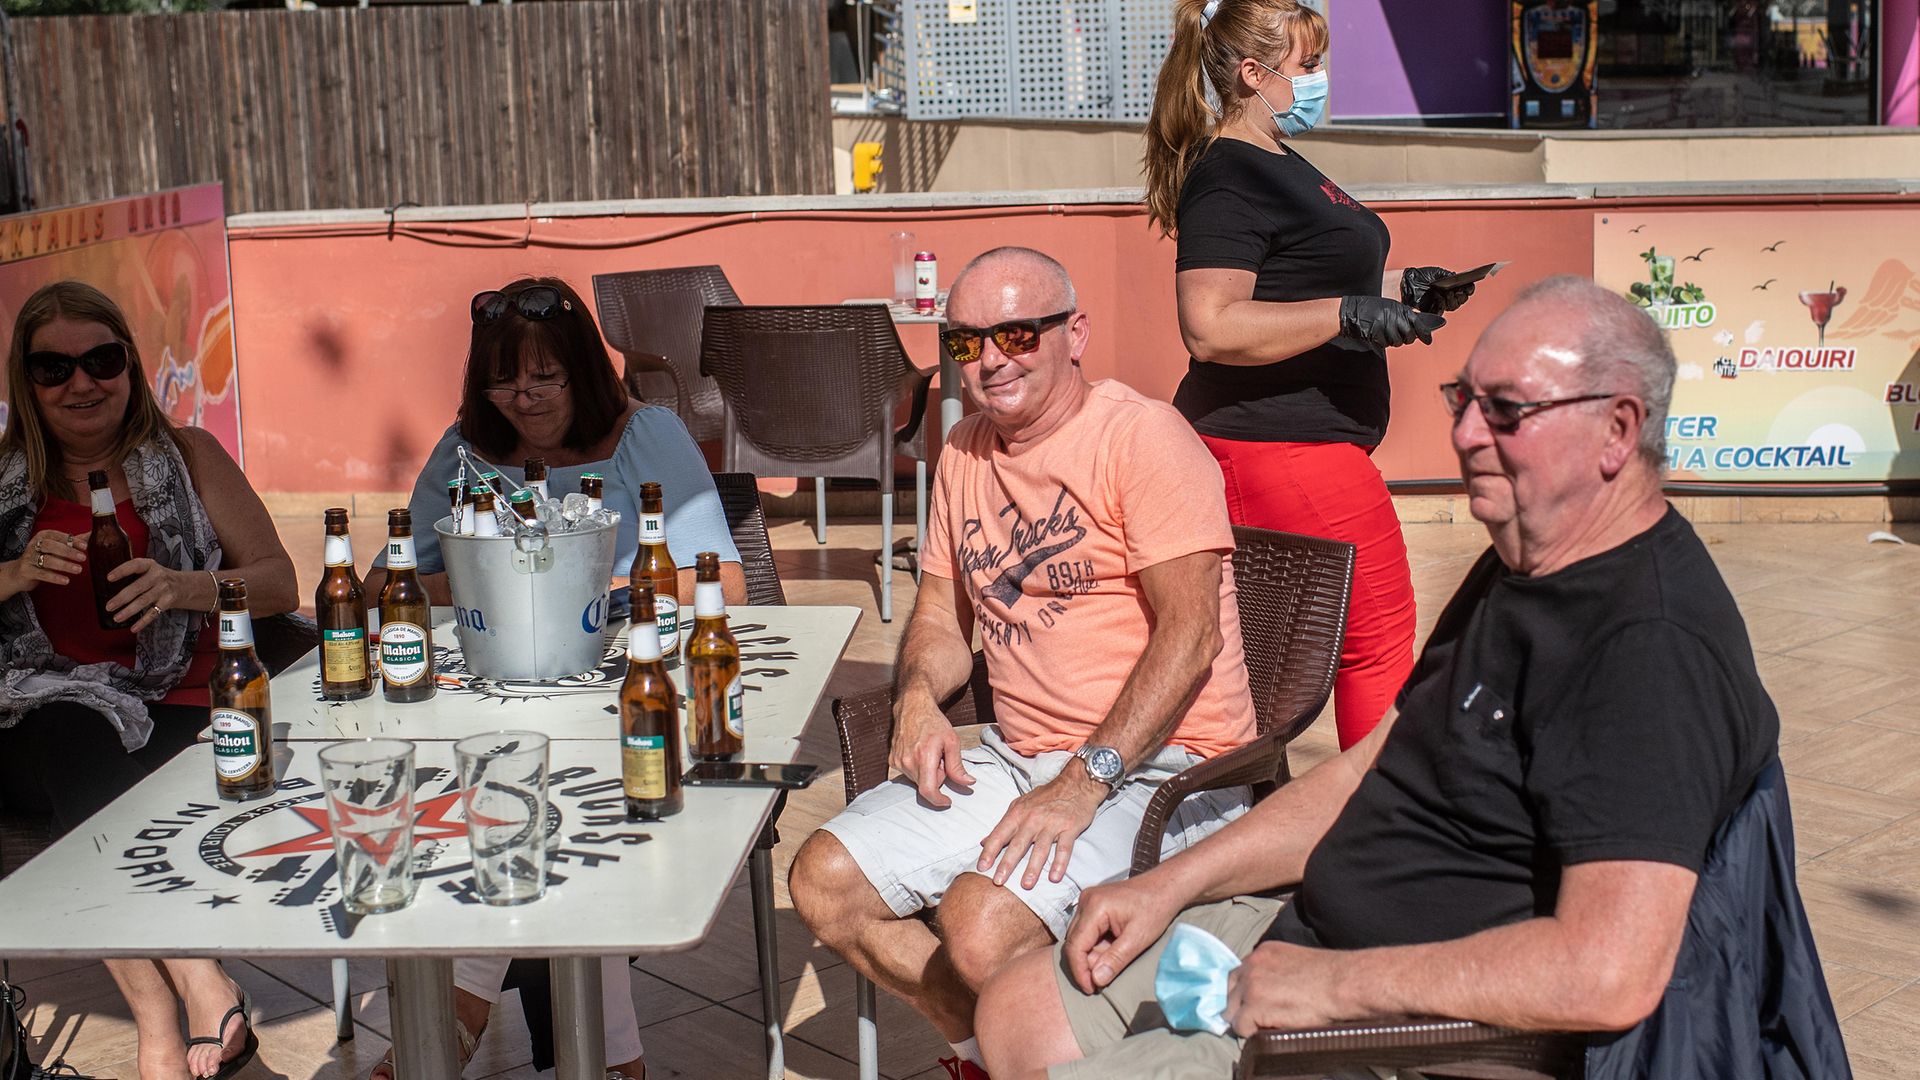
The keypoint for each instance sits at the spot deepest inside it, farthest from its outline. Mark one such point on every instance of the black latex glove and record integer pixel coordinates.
(1386, 323)
(1417, 291)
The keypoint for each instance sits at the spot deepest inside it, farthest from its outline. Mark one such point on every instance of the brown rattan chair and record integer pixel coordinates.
(1292, 593)
(740, 499)
(1453, 1048)
(653, 317)
(812, 391)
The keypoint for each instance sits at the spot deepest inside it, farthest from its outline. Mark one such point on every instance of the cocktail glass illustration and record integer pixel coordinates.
(1820, 305)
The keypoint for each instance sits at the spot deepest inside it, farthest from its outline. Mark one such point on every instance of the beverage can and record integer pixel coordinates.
(926, 281)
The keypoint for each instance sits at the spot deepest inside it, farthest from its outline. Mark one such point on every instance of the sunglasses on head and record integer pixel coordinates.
(537, 303)
(1015, 337)
(54, 368)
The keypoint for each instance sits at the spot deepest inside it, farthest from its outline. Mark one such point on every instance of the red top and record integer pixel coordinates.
(66, 611)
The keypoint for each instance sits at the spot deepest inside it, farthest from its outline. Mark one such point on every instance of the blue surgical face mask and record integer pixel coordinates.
(1309, 102)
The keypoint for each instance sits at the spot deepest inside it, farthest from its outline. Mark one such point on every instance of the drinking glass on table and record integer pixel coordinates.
(369, 789)
(503, 789)
(903, 247)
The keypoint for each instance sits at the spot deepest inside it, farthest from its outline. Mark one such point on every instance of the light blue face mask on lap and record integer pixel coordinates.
(1309, 102)
(1191, 981)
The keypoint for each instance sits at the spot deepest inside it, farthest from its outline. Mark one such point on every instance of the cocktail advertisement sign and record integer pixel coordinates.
(1798, 336)
(163, 258)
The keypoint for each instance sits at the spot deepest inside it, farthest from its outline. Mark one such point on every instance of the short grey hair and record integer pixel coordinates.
(1046, 264)
(1621, 348)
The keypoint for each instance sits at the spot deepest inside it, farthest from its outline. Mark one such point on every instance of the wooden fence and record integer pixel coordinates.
(433, 105)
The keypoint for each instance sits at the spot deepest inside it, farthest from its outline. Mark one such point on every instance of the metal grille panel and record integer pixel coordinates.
(1144, 33)
(957, 69)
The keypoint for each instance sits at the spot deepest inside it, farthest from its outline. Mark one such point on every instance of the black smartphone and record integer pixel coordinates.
(751, 774)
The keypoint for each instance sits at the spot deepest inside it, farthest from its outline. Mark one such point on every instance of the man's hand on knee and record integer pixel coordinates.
(1112, 926)
(1045, 821)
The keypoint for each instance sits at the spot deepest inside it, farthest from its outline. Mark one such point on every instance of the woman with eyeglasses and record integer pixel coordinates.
(539, 383)
(1287, 308)
(87, 712)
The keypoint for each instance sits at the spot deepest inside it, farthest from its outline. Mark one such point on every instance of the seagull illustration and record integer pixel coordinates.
(1775, 246)
(1696, 258)
(1636, 228)
(1762, 287)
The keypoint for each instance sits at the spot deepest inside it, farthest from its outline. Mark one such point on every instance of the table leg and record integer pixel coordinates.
(420, 1005)
(766, 938)
(579, 1032)
(951, 409)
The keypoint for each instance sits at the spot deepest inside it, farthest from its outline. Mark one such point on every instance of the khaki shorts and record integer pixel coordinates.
(1121, 1029)
(912, 852)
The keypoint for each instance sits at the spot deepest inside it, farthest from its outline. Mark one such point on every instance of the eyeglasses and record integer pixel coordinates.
(1015, 337)
(546, 391)
(54, 369)
(537, 303)
(1502, 415)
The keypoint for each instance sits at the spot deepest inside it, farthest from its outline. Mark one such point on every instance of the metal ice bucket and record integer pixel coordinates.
(529, 616)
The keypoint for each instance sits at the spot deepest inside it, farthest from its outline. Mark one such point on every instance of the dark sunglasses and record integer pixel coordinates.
(1015, 337)
(537, 303)
(54, 369)
(1502, 415)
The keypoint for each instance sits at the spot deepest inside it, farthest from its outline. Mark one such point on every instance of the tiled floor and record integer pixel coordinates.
(1836, 623)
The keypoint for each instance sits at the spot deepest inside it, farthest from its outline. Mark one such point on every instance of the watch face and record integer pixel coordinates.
(1105, 763)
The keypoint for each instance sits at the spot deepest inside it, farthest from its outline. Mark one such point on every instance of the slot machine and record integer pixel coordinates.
(1555, 46)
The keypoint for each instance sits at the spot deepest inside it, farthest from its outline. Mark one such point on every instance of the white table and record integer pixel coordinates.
(787, 655)
(168, 870)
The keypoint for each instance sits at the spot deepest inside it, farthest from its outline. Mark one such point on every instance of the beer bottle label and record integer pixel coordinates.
(403, 653)
(400, 553)
(339, 551)
(653, 529)
(666, 617)
(736, 708)
(643, 766)
(539, 489)
(236, 744)
(708, 600)
(102, 499)
(594, 503)
(236, 630)
(643, 641)
(485, 522)
(343, 655)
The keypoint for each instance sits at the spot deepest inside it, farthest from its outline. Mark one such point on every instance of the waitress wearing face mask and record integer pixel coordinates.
(1288, 308)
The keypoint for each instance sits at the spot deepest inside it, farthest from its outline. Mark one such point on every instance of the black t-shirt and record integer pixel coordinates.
(1244, 208)
(1608, 711)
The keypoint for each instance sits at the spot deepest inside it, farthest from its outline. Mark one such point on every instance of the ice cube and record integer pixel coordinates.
(604, 516)
(573, 507)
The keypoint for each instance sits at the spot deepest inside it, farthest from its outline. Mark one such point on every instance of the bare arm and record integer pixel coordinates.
(936, 659)
(1183, 595)
(1390, 283)
(1600, 962)
(1221, 322)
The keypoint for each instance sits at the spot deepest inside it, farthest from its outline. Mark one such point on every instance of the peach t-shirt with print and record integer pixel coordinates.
(1051, 542)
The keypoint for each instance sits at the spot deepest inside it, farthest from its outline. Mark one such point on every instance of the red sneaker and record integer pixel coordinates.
(962, 1069)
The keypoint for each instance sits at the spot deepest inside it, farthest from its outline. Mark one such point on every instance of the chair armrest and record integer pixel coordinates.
(864, 723)
(1455, 1047)
(281, 640)
(1257, 762)
(916, 383)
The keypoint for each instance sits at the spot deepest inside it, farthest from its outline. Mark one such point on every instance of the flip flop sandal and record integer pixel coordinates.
(247, 1049)
(467, 1041)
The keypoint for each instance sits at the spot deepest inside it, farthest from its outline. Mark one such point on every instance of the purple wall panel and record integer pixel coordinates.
(1418, 57)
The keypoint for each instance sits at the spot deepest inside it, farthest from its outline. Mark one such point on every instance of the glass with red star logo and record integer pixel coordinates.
(369, 787)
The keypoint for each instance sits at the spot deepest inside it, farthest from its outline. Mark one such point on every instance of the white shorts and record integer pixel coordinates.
(911, 852)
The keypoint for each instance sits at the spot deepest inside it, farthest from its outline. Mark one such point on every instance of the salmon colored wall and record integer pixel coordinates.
(351, 344)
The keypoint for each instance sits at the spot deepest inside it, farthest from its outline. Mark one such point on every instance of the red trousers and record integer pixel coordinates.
(1333, 490)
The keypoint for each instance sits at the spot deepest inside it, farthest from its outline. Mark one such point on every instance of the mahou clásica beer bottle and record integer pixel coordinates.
(713, 669)
(406, 618)
(242, 705)
(107, 548)
(653, 562)
(340, 607)
(649, 718)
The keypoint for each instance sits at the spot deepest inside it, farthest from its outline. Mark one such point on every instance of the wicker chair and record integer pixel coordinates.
(1292, 593)
(653, 317)
(740, 499)
(812, 391)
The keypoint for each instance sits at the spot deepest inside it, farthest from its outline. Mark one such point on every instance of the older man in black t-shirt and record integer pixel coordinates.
(1519, 843)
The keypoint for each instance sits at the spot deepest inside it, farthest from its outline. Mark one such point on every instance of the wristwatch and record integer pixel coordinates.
(1104, 764)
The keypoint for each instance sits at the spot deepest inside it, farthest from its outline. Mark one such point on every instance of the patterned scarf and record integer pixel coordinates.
(180, 536)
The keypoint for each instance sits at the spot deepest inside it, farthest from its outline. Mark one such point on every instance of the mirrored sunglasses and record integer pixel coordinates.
(1015, 337)
(536, 303)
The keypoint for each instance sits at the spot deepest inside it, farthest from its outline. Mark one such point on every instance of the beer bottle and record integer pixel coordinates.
(593, 486)
(340, 607)
(649, 719)
(653, 562)
(485, 521)
(242, 705)
(713, 666)
(522, 504)
(536, 476)
(107, 548)
(406, 618)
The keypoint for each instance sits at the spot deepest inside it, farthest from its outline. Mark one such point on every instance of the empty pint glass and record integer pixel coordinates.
(369, 786)
(503, 789)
